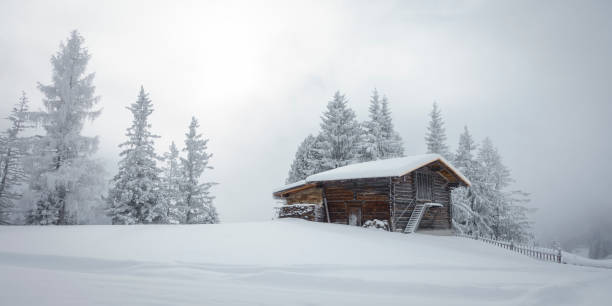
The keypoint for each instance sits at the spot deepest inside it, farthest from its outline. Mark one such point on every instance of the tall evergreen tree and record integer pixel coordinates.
(341, 134)
(392, 144)
(135, 193)
(464, 157)
(379, 139)
(62, 155)
(198, 200)
(486, 207)
(172, 181)
(301, 168)
(509, 219)
(372, 135)
(466, 218)
(308, 159)
(11, 158)
(436, 134)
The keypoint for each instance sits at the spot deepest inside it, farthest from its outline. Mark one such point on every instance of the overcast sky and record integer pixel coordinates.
(535, 76)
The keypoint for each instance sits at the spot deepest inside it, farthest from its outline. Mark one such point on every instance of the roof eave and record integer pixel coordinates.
(281, 193)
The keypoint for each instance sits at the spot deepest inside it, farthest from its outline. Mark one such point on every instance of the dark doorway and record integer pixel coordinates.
(354, 215)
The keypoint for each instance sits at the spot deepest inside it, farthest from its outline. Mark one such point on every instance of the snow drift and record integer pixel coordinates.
(276, 263)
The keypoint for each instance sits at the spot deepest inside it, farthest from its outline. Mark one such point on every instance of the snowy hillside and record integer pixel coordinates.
(286, 262)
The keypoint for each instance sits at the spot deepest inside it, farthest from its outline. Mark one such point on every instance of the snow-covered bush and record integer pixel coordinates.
(377, 224)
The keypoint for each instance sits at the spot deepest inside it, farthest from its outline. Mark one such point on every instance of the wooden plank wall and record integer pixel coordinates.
(438, 217)
(405, 197)
(403, 194)
(306, 196)
(372, 195)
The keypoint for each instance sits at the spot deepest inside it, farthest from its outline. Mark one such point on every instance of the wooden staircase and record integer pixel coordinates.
(417, 215)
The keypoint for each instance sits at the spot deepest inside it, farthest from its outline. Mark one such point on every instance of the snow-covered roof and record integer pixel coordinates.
(393, 167)
(290, 186)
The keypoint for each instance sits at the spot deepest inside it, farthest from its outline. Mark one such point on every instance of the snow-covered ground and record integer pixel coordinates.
(575, 259)
(285, 262)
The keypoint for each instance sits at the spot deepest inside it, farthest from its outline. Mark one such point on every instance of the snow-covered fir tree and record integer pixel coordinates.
(371, 137)
(172, 180)
(12, 151)
(61, 166)
(341, 134)
(392, 144)
(508, 215)
(308, 159)
(465, 217)
(301, 168)
(379, 139)
(436, 134)
(135, 193)
(486, 208)
(464, 158)
(198, 201)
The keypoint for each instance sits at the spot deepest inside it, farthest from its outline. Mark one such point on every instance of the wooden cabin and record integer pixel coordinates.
(410, 193)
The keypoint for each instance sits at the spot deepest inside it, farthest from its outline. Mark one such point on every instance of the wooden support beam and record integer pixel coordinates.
(325, 204)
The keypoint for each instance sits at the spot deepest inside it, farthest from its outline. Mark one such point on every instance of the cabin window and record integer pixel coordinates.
(424, 186)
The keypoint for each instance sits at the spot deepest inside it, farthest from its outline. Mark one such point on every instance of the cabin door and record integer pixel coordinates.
(354, 215)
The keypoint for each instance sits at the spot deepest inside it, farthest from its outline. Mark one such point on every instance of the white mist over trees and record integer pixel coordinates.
(52, 179)
(54, 172)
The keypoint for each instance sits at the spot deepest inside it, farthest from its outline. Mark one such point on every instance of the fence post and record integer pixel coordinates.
(559, 255)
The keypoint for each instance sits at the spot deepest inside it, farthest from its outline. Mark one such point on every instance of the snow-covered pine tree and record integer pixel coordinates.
(341, 134)
(486, 208)
(301, 168)
(308, 159)
(464, 157)
(316, 155)
(12, 152)
(371, 145)
(465, 218)
(61, 165)
(436, 134)
(135, 194)
(379, 139)
(198, 201)
(172, 180)
(392, 144)
(508, 216)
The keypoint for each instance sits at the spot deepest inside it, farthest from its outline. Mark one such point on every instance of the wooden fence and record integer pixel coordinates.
(545, 254)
